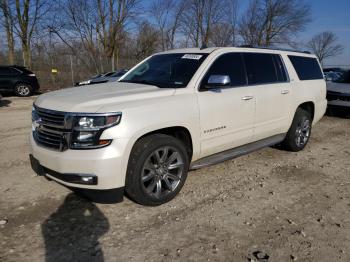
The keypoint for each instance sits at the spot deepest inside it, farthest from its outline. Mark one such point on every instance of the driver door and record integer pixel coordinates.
(226, 112)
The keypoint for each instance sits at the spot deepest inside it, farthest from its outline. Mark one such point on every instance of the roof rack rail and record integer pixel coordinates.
(275, 48)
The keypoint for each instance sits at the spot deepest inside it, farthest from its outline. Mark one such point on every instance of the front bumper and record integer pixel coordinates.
(98, 169)
(107, 196)
(82, 179)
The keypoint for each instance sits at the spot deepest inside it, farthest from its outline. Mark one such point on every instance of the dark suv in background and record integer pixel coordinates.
(18, 79)
(338, 92)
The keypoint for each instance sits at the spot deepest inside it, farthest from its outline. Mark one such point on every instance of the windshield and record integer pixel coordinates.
(167, 70)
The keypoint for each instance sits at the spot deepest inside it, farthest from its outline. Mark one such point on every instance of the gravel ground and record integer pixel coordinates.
(270, 205)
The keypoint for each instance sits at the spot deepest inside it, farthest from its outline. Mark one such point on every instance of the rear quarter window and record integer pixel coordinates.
(307, 68)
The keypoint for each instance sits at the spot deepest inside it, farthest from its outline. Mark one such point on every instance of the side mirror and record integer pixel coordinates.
(215, 81)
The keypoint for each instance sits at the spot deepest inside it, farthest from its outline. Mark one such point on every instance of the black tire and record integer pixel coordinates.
(143, 156)
(23, 90)
(301, 127)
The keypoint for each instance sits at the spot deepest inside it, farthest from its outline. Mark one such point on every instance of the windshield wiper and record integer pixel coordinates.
(145, 82)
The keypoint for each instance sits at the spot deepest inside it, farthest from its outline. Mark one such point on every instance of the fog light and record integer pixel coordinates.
(87, 179)
(83, 136)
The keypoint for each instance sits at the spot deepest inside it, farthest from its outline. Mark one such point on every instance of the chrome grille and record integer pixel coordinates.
(50, 129)
(51, 117)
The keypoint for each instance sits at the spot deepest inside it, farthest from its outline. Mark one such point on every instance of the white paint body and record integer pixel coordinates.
(148, 108)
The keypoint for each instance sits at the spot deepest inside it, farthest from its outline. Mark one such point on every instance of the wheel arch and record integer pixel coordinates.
(21, 82)
(180, 132)
(308, 106)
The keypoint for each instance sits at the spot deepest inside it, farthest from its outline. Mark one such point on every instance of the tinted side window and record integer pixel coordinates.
(307, 68)
(230, 64)
(280, 69)
(14, 71)
(260, 68)
(5, 71)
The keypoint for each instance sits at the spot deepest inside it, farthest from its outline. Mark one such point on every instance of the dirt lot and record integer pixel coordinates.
(267, 206)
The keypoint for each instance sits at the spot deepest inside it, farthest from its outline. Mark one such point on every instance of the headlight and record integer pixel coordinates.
(85, 82)
(87, 130)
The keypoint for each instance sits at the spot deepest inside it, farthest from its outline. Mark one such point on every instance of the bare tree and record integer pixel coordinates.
(9, 27)
(167, 15)
(199, 18)
(98, 25)
(28, 14)
(324, 45)
(268, 22)
(147, 40)
(112, 19)
(223, 35)
(233, 20)
(81, 23)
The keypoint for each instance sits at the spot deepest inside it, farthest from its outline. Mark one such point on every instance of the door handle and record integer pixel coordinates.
(284, 92)
(245, 98)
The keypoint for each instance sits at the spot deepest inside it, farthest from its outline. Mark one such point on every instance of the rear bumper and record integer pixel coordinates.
(339, 103)
(338, 99)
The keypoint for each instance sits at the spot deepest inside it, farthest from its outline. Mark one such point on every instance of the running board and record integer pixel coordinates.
(236, 152)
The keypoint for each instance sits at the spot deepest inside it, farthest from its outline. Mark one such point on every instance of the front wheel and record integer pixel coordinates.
(157, 169)
(23, 90)
(300, 131)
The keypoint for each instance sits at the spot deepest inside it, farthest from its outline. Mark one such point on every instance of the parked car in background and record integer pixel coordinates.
(117, 75)
(338, 91)
(86, 82)
(104, 78)
(18, 79)
(332, 69)
(110, 77)
(175, 111)
(331, 76)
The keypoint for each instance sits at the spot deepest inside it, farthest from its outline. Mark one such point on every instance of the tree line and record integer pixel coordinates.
(95, 36)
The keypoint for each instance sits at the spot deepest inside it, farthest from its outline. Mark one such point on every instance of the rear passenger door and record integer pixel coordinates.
(226, 113)
(7, 77)
(267, 73)
(4, 77)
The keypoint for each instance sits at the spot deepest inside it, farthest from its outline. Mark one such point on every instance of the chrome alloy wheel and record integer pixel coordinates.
(162, 172)
(302, 132)
(23, 90)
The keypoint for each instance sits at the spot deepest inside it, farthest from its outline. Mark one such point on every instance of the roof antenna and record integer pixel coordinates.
(204, 46)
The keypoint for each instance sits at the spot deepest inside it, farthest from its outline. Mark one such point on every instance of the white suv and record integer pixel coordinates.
(173, 112)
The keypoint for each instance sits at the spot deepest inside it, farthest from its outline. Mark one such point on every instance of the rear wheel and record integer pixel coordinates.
(157, 169)
(23, 90)
(300, 131)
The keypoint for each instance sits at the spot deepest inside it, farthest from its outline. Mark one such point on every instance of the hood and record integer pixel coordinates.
(91, 98)
(338, 87)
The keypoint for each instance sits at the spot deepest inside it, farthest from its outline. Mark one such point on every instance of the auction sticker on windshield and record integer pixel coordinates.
(191, 56)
